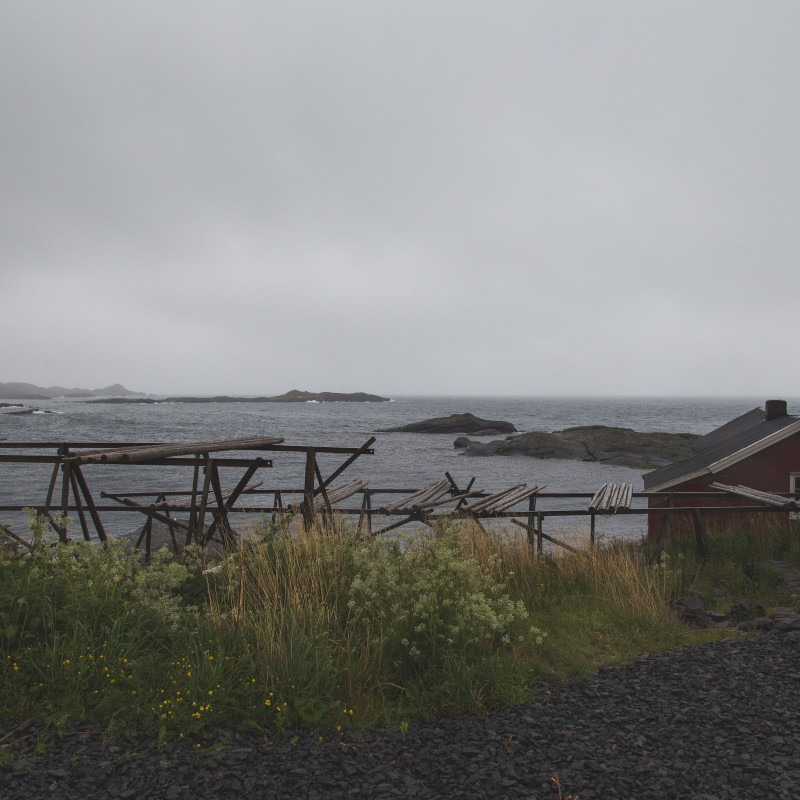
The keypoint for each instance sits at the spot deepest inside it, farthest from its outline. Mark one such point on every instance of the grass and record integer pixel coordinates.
(323, 631)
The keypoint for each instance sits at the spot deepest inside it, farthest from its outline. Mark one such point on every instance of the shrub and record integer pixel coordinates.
(431, 609)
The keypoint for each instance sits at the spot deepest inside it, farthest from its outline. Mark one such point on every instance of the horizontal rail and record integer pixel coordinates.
(174, 461)
(556, 512)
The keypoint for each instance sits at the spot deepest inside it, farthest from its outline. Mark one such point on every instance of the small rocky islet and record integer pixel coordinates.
(601, 443)
(456, 423)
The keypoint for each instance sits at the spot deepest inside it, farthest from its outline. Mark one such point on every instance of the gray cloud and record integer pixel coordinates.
(404, 198)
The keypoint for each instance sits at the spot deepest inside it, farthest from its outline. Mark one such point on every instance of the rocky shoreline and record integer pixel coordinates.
(715, 722)
(608, 445)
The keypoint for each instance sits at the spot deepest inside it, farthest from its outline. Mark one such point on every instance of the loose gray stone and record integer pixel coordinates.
(718, 720)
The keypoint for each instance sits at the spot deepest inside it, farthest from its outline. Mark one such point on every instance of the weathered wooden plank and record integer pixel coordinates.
(611, 497)
(427, 494)
(492, 499)
(597, 501)
(512, 499)
(134, 455)
(756, 494)
(334, 496)
(339, 493)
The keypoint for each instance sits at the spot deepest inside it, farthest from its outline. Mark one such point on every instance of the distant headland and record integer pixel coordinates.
(117, 393)
(29, 391)
(293, 396)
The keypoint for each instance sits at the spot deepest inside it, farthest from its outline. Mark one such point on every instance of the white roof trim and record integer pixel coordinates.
(756, 447)
(734, 458)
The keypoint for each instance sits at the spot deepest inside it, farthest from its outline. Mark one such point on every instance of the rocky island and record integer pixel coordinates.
(620, 446)
(456, 423)
(293, 396)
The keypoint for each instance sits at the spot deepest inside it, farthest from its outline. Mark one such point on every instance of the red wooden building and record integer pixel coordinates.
(760, 450)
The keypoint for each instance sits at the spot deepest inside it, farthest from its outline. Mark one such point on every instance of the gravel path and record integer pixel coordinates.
(718, 721)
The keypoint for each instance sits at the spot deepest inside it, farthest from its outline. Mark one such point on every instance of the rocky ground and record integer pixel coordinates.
(718, 721)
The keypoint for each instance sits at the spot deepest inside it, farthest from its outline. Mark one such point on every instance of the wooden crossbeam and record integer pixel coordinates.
(138, 454)
(186, 503)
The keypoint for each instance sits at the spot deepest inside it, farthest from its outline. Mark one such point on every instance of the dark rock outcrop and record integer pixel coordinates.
(692, 610)
(619, 446)
(455, 423)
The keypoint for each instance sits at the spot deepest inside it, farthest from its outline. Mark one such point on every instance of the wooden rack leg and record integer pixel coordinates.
(308, 489)
(78, 505)
(145, 532)
(701, 535)
(201, 514)
(222, 513)
(670, 518)
(366, 505)
(193, 507)
(87, 496)
(65, 485)
(51, 489)
(226, 505)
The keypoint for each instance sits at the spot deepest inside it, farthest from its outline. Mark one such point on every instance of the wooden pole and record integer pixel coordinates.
(193, 506)
(87, 496)
(51, 488)
(226, 505)
(337, 472)
(545, 536)
(201, 514)
(79, 506)
(365, 506)
(222, 513)
(670, 518)
(308, 488)
(701, 535)
(62, 528)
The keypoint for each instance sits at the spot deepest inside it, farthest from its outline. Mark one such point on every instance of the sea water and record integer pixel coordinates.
(400, 460)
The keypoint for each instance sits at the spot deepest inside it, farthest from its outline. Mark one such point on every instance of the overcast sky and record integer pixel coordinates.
(508, 198)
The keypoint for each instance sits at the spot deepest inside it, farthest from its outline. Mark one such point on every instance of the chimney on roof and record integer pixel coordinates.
(775, 408)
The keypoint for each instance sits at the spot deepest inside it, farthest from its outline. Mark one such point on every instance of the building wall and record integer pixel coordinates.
(767, 471)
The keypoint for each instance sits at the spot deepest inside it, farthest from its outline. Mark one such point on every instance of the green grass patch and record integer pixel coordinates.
(324, 631)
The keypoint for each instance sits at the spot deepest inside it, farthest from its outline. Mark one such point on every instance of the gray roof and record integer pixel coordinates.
(742, 435)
